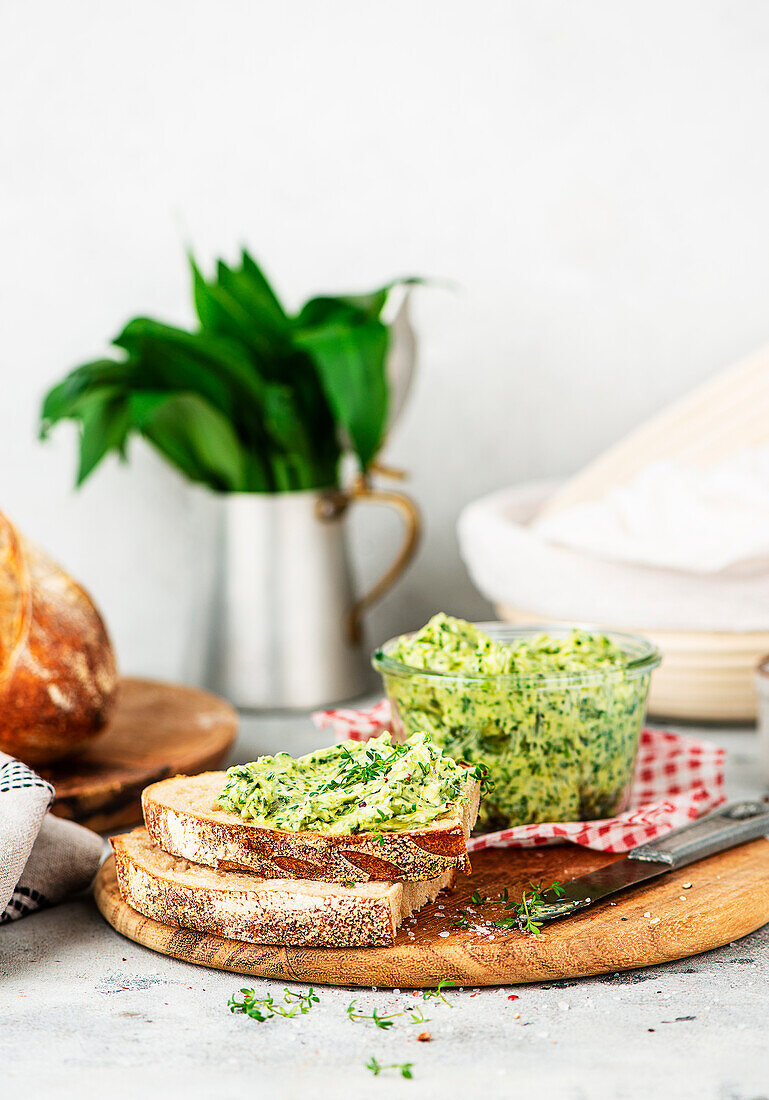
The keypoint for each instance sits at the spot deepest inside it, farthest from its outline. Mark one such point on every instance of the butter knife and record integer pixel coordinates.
(734, 824)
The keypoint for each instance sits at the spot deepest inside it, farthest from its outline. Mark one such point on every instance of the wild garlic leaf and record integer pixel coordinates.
(194, 435)
(106, 421)
(350, 360)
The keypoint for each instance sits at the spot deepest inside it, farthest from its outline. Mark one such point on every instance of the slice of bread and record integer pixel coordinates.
(182, 818)
(241, 906)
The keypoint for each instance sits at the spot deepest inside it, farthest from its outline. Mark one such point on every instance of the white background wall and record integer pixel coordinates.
(594, 175)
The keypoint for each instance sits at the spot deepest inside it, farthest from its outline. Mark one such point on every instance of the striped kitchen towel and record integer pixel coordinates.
(43, 859)
(677, 779)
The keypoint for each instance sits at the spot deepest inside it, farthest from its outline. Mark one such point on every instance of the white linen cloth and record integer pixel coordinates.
(517, 568)
(43, 859)
(698, 520)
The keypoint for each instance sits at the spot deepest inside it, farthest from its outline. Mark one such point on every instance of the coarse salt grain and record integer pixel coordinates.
(647, 914)
(656, 920)
(443, 934)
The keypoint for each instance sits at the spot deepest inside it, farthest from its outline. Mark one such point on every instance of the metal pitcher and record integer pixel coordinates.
(289, 625)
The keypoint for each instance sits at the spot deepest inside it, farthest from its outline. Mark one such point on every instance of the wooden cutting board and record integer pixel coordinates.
(728, 897)
(157, 730)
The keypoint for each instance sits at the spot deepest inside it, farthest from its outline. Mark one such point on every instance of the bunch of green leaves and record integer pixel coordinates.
(265, 1008)
(252, 400)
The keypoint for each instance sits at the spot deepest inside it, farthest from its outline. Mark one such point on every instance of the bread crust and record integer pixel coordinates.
(228, 841)
(244, 907)
(58, 677)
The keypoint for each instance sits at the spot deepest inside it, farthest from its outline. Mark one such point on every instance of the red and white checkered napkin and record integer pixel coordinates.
(677, 779)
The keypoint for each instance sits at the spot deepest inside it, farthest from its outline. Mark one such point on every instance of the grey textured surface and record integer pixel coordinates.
(86, 1013)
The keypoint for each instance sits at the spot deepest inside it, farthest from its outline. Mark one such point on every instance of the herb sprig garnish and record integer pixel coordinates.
(417, 1016)
(265, 1008)
(437, 993)
(383, 1022)
(404, 1068)
(372, 765)
(524, 914)
(368, 766)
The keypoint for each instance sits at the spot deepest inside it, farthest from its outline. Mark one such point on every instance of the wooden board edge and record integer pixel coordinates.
(392, 967)
(103, 813)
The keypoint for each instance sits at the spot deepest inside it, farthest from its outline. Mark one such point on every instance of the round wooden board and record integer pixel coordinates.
(728, 897)
(157, 730)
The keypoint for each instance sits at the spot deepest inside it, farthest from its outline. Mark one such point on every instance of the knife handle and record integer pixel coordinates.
(734, 824)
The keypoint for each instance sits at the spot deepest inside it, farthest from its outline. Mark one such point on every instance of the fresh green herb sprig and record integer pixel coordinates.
(383, 1022)
(404, 1068)
(438, 992)
(361, 768)
(265, 1008)
(417, 1016)
(481, 899)
(463, 921)
(481, 772)
(524, 914)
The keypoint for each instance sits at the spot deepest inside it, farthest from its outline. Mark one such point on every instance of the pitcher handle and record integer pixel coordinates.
(409, 513)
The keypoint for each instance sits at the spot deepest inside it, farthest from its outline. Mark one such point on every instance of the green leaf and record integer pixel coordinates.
(350, 360)
(219, 313)
(168, 358)
(261, 286)
(235, 307)
(357, 307)
(283, 422)
(250, 288)
(321, 311)
(193, 435)
(66, 400)
(105, 424)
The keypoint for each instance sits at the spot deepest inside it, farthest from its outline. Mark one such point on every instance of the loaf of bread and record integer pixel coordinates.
(57, 669)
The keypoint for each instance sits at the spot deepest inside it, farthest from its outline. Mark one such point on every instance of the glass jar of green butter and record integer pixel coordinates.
(555, 712)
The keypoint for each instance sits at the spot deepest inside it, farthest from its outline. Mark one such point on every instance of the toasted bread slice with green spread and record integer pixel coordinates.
(183, 818)
(242, 906)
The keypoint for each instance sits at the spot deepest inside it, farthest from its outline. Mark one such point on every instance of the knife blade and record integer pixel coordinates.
(734, 824)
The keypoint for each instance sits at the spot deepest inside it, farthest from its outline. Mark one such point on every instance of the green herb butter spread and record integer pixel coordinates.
(555, 719)
(368, 786)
